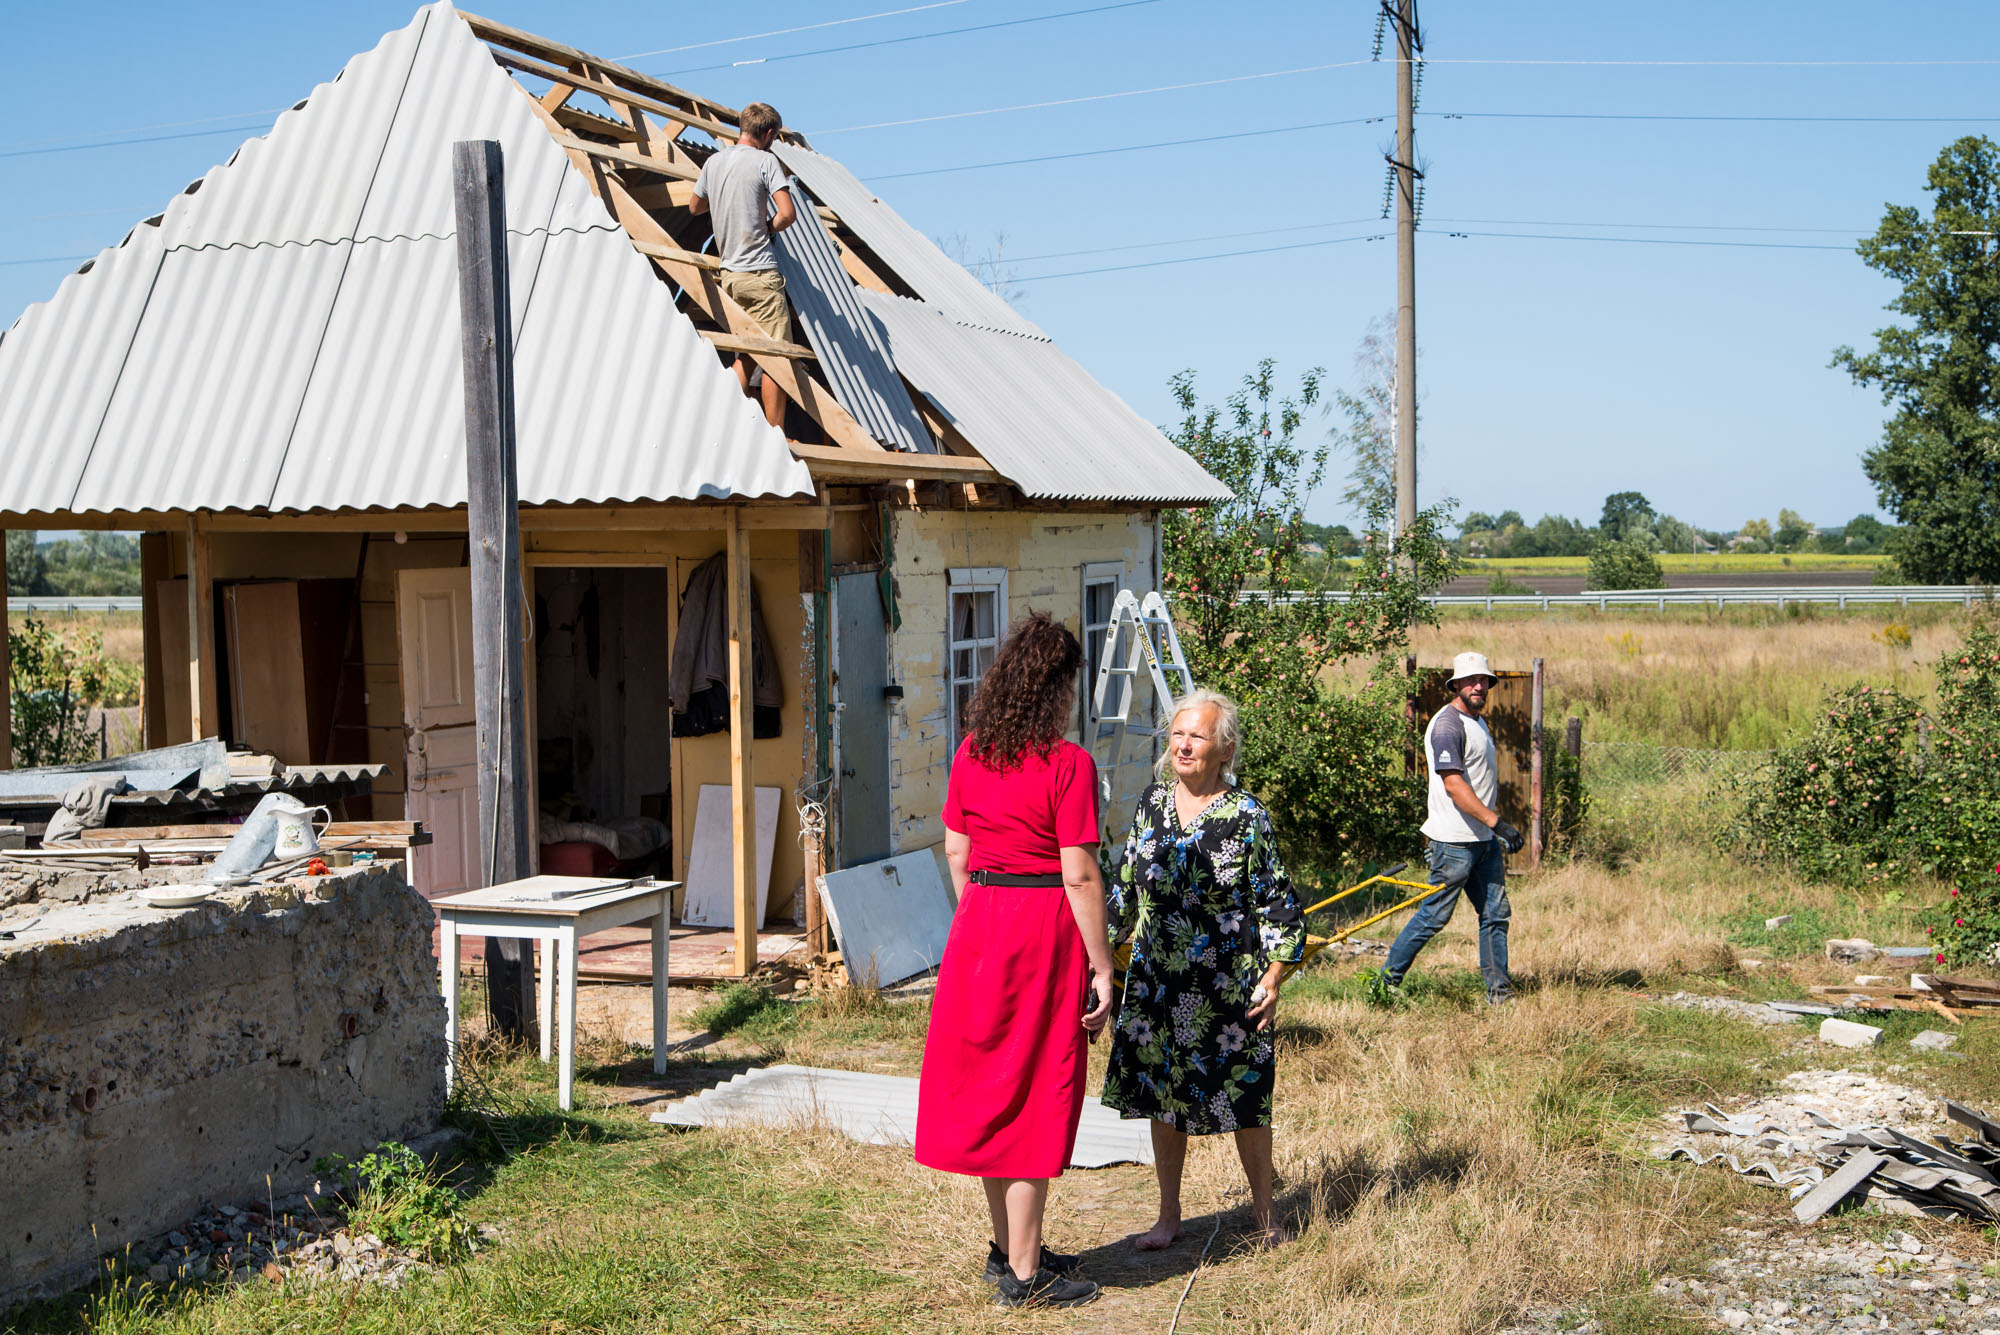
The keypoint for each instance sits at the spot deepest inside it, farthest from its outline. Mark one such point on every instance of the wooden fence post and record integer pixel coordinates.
(494, 552)
(1535, 840)
(742, 776)
(204, 711)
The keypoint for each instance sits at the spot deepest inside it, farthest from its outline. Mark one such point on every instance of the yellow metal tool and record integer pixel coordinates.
(1122, 952)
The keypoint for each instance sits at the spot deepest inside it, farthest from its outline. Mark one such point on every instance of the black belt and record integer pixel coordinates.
(1045, 880)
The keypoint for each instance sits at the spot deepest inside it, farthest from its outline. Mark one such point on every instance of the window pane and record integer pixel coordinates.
(985, 658)
(961, 664)
(986, 601)
(962, 618)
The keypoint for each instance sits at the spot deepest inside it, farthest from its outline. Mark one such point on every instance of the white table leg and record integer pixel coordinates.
(660, 984)
(448, 984)
(566, 1009)
(545, 987)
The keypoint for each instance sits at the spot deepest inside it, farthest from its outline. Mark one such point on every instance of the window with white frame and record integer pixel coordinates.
(976, 621)
(1101, 582)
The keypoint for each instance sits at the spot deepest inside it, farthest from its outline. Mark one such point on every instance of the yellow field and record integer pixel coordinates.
(1682, 563)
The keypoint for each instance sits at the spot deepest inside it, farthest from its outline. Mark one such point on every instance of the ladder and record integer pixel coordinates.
(1141, 630)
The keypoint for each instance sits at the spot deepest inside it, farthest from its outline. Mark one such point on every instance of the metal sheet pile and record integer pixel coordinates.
(1942, 1177)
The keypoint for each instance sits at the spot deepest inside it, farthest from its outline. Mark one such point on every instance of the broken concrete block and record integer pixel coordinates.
(13, 836)
(1872, 980)
(1773, 924)
(1933, 1040)
(1851, 950)
(1847, 1034)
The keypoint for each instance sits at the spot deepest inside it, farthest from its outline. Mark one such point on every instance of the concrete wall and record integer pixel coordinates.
(1044, 554)
(153, 1060)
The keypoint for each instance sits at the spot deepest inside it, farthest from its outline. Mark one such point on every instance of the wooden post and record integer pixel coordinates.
(493, 521)
(6, 667)
(204, 713)
(1535, 840)
(742, 787)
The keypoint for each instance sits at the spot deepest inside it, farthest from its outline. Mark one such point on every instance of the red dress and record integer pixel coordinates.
(1003, 1076)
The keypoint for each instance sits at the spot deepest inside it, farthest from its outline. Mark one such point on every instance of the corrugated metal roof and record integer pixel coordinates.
(910, 255)
(287, 337)
(1034, 414)
(876, 1110)
(853, 353)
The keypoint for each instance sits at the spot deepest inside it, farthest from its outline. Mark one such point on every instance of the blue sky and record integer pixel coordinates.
(1553, 371)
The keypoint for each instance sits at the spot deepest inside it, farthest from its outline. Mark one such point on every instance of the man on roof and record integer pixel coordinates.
(743, 188)
(1465, 831)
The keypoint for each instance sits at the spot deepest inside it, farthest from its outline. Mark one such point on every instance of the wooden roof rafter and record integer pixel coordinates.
(644, 174)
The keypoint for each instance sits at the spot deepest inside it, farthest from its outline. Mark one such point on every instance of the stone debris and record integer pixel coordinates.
(1848, 1034)
(1852, 950)
(1933, 1040)
(1768, 1279)
(1756, 1012)
(1838, 1136)
(1773, 924)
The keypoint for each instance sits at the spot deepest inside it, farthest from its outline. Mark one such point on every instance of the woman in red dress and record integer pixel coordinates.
(1026, 974)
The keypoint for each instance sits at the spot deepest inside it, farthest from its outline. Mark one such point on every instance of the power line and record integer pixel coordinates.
(119, 143)
(1708, 64)
(1125, 148)
(1661, 227)
(1196, 259)
(914, 37)
(1645, 116)
(1184, 240)
(143, 129)
(786, 32)
(1658, 241)
(50, 259)
(1094, 97)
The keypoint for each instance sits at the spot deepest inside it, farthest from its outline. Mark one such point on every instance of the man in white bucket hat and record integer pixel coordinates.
(1465, 830)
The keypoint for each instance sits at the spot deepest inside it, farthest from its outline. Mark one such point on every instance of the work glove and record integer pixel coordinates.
(1510, 838)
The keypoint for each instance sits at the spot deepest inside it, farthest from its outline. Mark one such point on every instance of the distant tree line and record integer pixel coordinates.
(1629, 518)
(92, 565)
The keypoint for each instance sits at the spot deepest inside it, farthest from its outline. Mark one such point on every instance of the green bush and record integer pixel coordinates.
(1626, 564)
(55, 684)
(1883, 790)
(392, 1194)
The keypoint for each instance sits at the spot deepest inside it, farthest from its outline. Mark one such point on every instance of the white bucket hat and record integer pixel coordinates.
(1470, 665)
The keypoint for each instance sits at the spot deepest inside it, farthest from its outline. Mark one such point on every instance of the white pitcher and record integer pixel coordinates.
(296, 836)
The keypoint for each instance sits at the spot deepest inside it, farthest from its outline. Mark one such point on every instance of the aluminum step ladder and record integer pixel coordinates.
(1139, 641)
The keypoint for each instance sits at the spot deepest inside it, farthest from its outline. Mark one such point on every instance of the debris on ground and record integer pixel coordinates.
(1838, 1136)
(1847, 1034)
(294, 1237)
(1933, 1040)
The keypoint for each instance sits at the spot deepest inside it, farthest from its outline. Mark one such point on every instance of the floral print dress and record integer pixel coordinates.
(1209, 908)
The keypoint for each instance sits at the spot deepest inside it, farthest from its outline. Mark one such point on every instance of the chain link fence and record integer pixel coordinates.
(1640, 792)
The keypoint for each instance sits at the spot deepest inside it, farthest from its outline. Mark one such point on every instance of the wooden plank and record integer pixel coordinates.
(340, 829)
(829, 463)
(678, 255)
(742, 790)
(625, 157)
(589, 122)
(699, 113)
(6, 668)
(1860, 1166)
(494, 544)
(204, 714)
(757, 343)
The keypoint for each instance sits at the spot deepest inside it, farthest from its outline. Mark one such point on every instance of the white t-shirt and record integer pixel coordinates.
(738, 183)
(1458, 742)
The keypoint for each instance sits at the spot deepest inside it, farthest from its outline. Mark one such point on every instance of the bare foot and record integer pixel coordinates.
(1159, 1237)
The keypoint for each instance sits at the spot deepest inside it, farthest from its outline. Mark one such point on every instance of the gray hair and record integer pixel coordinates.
(1227, 732)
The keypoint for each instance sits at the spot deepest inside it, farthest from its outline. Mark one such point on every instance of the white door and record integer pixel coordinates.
(434, 630)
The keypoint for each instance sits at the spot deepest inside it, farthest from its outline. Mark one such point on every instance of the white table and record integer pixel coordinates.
(531, 911)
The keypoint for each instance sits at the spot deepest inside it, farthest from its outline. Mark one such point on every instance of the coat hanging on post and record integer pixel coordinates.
(698, 677)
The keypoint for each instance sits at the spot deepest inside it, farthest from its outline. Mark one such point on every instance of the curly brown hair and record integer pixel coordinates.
(1022, 704)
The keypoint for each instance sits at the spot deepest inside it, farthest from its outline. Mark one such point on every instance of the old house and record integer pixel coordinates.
(264, 379)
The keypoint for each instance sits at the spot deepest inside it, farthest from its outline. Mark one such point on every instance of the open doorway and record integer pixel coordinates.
(602, 730)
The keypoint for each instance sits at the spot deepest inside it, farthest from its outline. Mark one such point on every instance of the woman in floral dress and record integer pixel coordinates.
(1214, 921)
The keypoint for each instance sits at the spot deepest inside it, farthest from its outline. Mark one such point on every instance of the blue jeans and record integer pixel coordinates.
(1480, 872)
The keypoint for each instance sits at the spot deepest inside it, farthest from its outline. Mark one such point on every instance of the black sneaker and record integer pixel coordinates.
(1046, 1289)
(996, 1262)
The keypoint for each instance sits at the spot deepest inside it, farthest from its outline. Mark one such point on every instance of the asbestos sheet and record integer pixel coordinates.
(876, 1110)
(891, 918)
(709, 900)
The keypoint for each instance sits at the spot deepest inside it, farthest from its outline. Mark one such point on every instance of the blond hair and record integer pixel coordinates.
(759, 119)
(1228, 733)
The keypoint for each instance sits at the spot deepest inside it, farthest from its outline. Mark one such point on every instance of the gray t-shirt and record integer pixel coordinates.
(738, 183)
(1458, 741)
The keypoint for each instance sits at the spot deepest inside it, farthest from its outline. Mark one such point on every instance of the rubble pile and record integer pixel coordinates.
(1870, 1144)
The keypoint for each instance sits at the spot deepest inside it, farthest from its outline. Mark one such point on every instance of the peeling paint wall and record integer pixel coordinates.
(1044, 555)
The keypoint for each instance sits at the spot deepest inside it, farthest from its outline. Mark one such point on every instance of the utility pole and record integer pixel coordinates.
(493, 517)
(1409, 50)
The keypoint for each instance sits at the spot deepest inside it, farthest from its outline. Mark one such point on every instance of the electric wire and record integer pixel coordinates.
(1125, 148)
(913, 37)
(786, 32)
(1726, 118)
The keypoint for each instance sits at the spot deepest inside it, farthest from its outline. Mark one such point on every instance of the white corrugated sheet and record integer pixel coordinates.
(287, 336)
(853, 354)
(910, 255)
(877, 1110)
(1034, 414)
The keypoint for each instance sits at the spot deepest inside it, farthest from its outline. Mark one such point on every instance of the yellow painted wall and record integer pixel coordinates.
(1044, 555)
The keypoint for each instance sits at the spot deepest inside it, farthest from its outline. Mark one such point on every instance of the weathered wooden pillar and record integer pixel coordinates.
(742, 776)
(6, 667)
(204, 711)
(1535, 840)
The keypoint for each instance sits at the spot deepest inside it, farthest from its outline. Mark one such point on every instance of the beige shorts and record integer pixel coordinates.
(761, 292)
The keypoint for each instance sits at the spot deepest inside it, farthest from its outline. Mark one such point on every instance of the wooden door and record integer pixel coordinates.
(434, 635)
